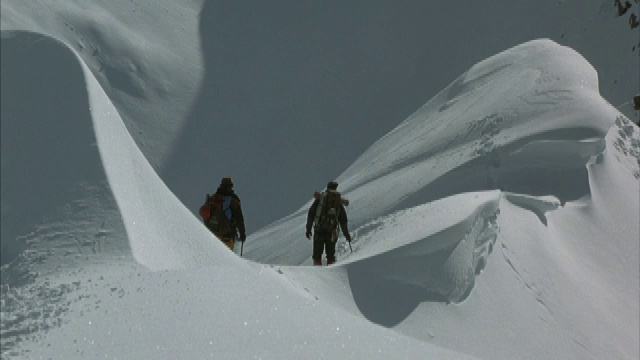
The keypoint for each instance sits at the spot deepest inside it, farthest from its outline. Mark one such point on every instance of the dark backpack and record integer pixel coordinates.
(328, 210)
(217, 214)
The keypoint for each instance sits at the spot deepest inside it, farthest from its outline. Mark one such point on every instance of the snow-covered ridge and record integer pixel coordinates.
(483, 132)
(181, 70)
(512, 194)
(440, 257)
(102, 200)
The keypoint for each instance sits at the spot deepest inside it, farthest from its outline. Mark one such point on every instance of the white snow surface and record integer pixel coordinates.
(498, 221)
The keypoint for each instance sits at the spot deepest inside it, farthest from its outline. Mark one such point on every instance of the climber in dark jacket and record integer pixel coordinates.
(326, 232)
(230, 204)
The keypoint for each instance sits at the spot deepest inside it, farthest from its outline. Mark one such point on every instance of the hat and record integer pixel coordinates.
(226, 181)
(332, 185)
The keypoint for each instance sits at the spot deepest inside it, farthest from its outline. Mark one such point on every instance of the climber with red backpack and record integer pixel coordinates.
(222, 214)
(326, 214)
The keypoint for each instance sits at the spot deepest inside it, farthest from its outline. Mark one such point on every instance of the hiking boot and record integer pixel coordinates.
(317, 262)
(331, 260)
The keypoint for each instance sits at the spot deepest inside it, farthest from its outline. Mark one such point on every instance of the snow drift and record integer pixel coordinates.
(273, 75)
(530, 123)
(498, 221)
(527, 120)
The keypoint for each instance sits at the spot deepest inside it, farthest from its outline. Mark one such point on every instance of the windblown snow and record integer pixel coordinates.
(498, 221)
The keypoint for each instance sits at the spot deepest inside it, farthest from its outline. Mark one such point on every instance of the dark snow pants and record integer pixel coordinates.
(324, 242)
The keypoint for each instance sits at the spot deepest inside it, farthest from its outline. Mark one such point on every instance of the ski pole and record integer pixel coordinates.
(350, 246)
(241, 247)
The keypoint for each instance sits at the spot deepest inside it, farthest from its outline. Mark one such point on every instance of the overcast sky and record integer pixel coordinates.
(499, 220)
(311, 85)
(441, 266)
(283, 96)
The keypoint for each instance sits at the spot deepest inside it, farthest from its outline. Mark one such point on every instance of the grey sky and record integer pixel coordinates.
(295, 91)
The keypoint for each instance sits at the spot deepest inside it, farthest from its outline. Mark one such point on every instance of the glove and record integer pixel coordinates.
(243, 237)
(308, 234)
(348, 237)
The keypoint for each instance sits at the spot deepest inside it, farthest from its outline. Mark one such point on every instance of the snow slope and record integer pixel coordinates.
(77, 305)
(471, 224)
(271, 76)
(530, 123)
(494, 127)
(498, 221)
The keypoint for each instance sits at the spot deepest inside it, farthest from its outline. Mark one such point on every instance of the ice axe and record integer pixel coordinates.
(350, 248)
(348, 242)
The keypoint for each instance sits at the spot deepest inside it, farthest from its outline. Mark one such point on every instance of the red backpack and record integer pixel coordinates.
(217, 214)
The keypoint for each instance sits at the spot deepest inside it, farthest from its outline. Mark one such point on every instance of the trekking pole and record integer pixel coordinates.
(241, 247)
(350, 246)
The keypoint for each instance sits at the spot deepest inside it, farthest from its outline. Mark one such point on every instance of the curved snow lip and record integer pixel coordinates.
(525, 123)
(537, 95)
(89, 204)
(521, 92)
(434, 261)
(162, 232)
(57, 206)
(108, 201)
(538, 205)
(483, 138)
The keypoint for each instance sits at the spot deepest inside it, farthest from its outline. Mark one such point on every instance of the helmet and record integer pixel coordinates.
(226, 181)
